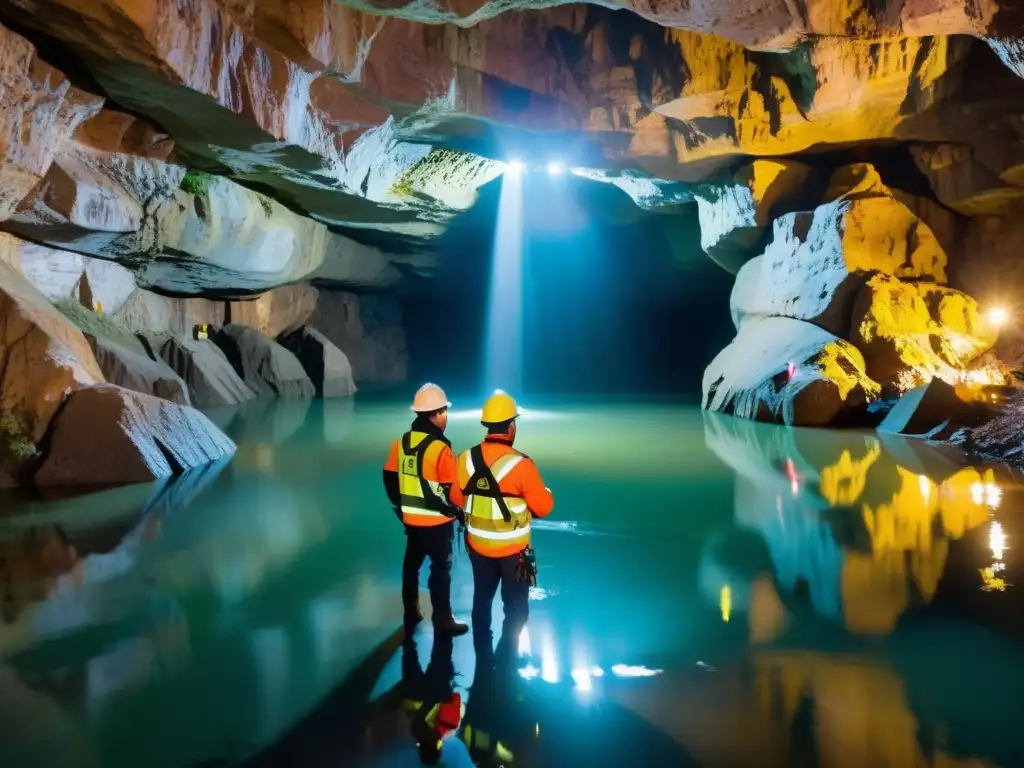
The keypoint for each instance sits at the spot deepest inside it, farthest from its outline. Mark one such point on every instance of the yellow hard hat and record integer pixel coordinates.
(499, 407)
(430, 397)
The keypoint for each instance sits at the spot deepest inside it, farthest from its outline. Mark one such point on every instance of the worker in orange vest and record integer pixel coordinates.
(420, 480)
(502, 491)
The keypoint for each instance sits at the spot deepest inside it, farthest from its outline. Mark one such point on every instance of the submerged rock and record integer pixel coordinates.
(932, 410)
(44, 355)
(211, 379)
(109, 435)
(325, 364)
(265, 366)
(788, 371)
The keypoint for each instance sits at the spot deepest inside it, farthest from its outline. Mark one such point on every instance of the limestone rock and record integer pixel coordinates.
(134, 370)
(44, 356)
(325, 364)
(787, 371)
(966, 333)
(149, 313)
(893, 329)
(278, 311)
(369, 330)
(108, 435)
(817, 261)
(211, 379)
(1000, 438)
(38, 109)
(734, 217)
(265, 366)
(962, 183)
(931, 410)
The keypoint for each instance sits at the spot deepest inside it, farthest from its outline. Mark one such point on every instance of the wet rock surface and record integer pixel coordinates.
(788, 371)
(142, 437)
(325, 364)
(43, 356)
(133, 369)
(211, 379)
(264, 365)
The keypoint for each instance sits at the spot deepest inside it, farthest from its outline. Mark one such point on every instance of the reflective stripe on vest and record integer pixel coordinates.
(486, 526)
(421, 499)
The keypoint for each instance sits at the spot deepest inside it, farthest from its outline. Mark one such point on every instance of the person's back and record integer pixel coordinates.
(419, 475)
(503, 491)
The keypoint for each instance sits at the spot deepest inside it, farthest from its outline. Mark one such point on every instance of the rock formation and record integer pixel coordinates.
(859, 167)
(212, 380)
(862, 267)
(142, 437)
(264, 365)
(325, 364)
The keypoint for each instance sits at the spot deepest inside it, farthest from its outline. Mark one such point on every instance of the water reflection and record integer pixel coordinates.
(844, 521)
(819, 594)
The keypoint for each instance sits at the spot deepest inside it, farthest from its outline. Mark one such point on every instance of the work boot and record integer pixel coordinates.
(449, 626)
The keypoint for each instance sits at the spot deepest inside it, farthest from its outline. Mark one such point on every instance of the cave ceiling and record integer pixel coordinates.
(383, 121)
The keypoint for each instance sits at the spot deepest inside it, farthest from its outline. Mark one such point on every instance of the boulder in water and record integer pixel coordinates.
(325, 364)
(264, 365)
(788, 371)
(110, 435)
(130, 369)
(212, 380)
(932, 410)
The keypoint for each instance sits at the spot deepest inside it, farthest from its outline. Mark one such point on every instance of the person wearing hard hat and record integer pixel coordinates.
(502, 491)
(419, 475)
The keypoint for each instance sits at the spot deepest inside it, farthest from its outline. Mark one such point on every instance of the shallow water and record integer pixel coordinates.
(713, 592)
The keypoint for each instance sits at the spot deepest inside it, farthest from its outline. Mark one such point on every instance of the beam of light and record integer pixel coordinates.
(503, 351)
(725, 602)
(515, 167)
(556, 168)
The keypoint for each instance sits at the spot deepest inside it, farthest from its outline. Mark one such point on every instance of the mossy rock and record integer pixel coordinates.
(16, 446)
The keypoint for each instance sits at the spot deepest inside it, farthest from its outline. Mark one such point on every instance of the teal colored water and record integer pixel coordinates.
(712, 592)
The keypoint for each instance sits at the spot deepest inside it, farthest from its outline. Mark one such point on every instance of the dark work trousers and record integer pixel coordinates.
(434, 542)
(488, 573)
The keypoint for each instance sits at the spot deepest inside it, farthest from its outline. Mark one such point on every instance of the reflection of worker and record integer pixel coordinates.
(502, 489)
(488, 716)
(418, 476)
(434, 708)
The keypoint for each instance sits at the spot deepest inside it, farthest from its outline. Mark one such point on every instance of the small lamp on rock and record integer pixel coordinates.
(998, 316)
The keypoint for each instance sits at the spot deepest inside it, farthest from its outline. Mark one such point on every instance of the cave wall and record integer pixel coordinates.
(858, 166)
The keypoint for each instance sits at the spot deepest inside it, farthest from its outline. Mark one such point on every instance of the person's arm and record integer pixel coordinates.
(448, 476)
(538, 498)
(391, 481)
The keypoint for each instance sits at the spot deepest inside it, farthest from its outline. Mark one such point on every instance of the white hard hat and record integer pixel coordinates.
(430, 397)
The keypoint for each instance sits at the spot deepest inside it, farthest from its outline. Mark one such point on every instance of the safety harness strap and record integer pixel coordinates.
(419, 452)
(483, 483)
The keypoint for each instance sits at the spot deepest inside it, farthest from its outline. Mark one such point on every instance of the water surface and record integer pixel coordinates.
(713, 592)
